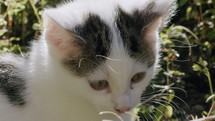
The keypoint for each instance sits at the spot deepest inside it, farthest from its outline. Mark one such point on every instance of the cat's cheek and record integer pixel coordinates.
(102, 102)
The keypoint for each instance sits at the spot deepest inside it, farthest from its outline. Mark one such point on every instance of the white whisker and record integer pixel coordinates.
(108, 58)
(161, 112)
(109, 112)
(134, 115)
(186, 60)
(179, 89)
(165, 106)
(174, 105)
(179, 99)
(151, 93)
(79, 64)
(112, 69)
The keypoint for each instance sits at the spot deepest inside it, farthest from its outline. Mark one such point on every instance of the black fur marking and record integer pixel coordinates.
(97, 42)
(132, 28)
(11, 85)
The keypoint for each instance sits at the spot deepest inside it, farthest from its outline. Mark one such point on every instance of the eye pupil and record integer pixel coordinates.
(138, 77)
(99, 85)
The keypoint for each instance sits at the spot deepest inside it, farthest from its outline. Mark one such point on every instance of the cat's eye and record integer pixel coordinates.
(138, 77)
(99, 85)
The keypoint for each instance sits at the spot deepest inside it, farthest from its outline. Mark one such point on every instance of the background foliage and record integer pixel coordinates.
(186, 77)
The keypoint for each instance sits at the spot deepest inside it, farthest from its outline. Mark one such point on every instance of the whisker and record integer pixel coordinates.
(184, 35)
(165, 87)
(165, 106)
(165, 71)
(150, 113)
(188, 46)
(142, 116)
(109, 112)
(186, 60)
(134, 115)
(112, 69)
(151, 98)
(79, 64)
(153, 88)
(148, 94)
(150, 116)
(108, 58)
(174, 105)
(179, 89)
(145, 117)
(180, 110)
(155, 116)
(160, 112)
(186, 43)
(166, 94)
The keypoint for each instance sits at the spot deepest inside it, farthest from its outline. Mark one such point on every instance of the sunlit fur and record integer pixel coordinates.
(55, 94)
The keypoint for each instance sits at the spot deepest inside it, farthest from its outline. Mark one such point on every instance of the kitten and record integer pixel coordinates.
(93, 56)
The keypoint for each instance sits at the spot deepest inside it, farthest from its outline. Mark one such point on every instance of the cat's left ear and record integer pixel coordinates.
(158, 13)
(62, 42)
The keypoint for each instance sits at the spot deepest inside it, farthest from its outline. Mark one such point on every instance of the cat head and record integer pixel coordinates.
(109, 47)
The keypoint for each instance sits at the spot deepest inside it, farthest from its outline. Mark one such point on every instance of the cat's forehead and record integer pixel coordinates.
(75, 13)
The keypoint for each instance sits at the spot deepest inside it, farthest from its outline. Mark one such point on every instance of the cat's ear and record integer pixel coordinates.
(159, 13)
(61, 40)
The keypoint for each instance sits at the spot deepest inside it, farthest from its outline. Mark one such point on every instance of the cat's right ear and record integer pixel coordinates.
(60, 40)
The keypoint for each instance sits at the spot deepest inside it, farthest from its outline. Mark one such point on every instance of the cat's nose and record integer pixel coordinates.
(123, 109)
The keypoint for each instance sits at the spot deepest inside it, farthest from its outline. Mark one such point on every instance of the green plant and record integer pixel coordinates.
(201, 66)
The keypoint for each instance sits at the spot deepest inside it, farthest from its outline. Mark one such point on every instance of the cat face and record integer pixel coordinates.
(110, 47)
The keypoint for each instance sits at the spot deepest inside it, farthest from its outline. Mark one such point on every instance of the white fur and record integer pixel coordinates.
(54, 94)
(78, 10)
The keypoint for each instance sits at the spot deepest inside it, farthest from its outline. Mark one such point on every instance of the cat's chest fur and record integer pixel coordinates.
(93, 56)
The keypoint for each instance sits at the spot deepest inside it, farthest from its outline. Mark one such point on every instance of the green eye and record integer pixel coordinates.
(138, 77)
(99, 85)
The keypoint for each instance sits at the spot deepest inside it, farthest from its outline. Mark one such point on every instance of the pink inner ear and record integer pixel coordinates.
(62, 40)
(53, 37)
(54, 33)
(58, 42)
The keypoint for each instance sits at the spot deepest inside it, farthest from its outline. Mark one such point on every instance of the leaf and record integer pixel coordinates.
(210, 98)
(206, 43)
(189, 9)
(169, 111)
(198, 3)
(182, 2)
(177, 73)
(171, 95)
(2, 32)
(3, 22)
(36, 26)
(196, 67)
(159, 113)
(202, 62)
(14, 39)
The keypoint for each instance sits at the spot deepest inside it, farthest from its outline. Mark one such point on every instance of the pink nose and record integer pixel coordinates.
(123, 109)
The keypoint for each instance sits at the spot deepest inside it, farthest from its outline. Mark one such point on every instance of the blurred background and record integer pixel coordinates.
(184, 86)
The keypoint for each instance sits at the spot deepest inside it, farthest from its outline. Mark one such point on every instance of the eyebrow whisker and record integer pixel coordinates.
(108, 58)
